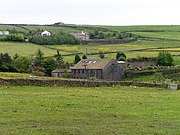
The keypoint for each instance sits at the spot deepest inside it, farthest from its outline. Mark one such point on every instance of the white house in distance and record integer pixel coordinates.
(45, 33)
(4, 33)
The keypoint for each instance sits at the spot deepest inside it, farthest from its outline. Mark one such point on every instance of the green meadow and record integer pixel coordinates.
(24, 49)
(34, 110)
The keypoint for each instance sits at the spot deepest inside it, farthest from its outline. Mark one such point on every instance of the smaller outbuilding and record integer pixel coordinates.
(60, 72)
(84, 36)
(4, 32)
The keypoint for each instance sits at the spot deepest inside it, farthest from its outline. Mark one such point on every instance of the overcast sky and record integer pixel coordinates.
(98, 12)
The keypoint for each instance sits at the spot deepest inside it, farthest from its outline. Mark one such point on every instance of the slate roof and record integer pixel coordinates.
(92, 64)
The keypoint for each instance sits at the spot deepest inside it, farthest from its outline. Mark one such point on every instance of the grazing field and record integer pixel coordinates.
(52, 29)
(101, 110)
(174, 28)
(117, 47)
(24, 49)
(9, 27)
(163, 35)
(177, 60)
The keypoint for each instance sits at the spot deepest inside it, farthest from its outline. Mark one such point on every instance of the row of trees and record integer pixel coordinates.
(40, 65)
(12, 37)
(15, 64)
(164, 58)
(120, 56)
(112, 35)
(54, 39)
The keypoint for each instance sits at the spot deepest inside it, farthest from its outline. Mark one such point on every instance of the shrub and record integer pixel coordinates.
(164, 59)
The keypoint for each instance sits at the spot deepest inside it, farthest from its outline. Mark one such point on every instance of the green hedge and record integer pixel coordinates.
(12, 37)
(54, 39)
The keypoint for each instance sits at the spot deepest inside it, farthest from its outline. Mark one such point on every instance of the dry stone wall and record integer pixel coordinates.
(76, 83)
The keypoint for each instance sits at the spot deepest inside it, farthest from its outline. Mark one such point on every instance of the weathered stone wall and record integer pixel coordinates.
(142, 73)
(110, 41)
(76, 83)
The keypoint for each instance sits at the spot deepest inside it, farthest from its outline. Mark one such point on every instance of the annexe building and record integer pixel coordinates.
(84, 36)
(105, 69)
(4, 33)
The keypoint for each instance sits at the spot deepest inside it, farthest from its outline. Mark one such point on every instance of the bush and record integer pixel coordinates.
(164, 59)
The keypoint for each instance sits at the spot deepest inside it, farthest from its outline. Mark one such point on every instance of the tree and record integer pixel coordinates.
(164, 59)
(49, 65)
(77, 59)
(39, 57)
(120, 56)
(22, 63)
(101, 55)
(6, 63)
(119, 36)
(59, 60)
(84, 57)
(101, 35)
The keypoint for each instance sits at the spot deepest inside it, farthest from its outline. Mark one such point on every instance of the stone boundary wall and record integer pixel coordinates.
(142, 73)
(109, 41)
(76, 83)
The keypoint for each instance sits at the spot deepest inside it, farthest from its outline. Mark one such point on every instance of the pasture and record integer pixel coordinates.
(141, 28)
(81, 110)
(24, 49)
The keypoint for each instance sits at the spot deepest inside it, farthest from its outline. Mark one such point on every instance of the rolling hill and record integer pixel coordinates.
(156, 38)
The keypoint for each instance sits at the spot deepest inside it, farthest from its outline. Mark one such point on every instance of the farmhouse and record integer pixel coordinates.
(45, 33)
(106, 69)
(82, 36)
(4, 33)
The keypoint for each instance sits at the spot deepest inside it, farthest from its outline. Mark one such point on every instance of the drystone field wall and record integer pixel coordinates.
(76, 83)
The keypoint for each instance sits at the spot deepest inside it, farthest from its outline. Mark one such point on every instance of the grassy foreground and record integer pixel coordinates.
(80, 110)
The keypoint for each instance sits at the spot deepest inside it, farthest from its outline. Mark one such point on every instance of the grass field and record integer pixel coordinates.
(163, 35)
(24, 49)
(87, 111)
(174, 28)
(18, 29)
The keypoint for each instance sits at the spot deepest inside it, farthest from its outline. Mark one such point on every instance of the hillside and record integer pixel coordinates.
(155, 39)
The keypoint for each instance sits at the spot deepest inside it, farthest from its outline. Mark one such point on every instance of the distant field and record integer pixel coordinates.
(100, 110)
(27, 49)
(24, 49)
(164, 35)
(144, 28)
(52, 29)
(151, 45)
(116, 47)
(8, 27)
